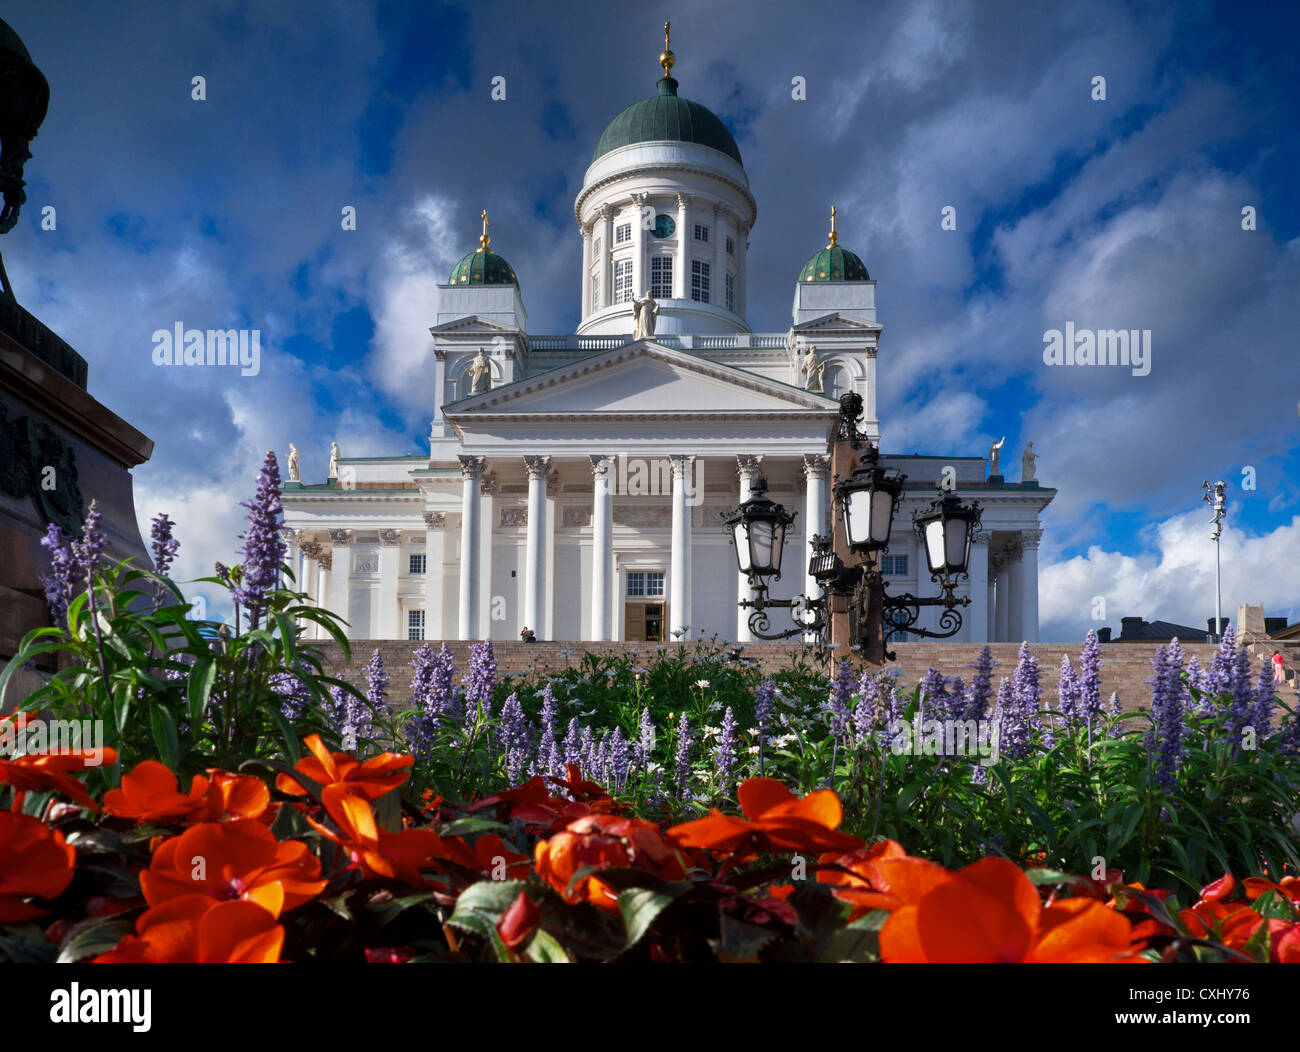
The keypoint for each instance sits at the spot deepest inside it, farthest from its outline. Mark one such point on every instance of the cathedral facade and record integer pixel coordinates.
(575, 484)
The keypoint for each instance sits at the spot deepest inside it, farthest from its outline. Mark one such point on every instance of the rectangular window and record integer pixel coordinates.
(623, 234)
(893, 565)
(701, 233)
(699, 281)
(595, 291)
(415, 624)
(731, 292)
(661, 277)
(731, 247)
(622, 281)
(416, 564)
(645, 583)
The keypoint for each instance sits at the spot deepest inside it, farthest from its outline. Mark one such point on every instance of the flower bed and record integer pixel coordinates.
(243, 805)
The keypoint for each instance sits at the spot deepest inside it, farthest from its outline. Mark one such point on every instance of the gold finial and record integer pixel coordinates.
(667, 59)
(834, 236)
(484, 240)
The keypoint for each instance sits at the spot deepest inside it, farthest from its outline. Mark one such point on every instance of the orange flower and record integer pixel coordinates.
(151, 793)
(990, 912)
(377, 852)
(489, 855)
(196, 929)
(233, 860)
(866, 888)
(371, 779)
(604, 842)
(775, 821)
(34, 860)
(233, 796)
(44, 772)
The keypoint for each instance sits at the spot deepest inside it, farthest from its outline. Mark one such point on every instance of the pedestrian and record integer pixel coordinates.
(1279, 667)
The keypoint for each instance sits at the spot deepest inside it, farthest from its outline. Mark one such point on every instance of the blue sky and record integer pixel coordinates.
(1122, 213)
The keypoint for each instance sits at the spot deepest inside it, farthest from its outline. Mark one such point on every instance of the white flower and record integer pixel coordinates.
(701, 683)
(752, 750)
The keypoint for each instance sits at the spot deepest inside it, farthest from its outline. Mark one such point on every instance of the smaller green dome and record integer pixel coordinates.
(483, 267)
(834, 264)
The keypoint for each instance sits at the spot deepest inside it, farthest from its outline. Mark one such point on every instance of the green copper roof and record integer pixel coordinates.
(483, 267)
(834, 264)
(666, 116)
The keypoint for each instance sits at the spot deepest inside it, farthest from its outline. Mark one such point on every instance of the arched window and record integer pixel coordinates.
(835, 381)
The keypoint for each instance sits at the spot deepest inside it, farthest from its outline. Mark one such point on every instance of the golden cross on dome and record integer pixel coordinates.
(667, 59)
(834, 236)
(484, 240)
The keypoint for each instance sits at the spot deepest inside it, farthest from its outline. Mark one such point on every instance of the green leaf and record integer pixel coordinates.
(472, 826)
(640, 906)
(165, 735)
(481, 905)
(91, 939)
(199, 690)
(544, 948)
(742, 941)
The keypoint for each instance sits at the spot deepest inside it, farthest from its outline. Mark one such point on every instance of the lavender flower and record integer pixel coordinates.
(838, 703)
(934, 695)
(724, 752)
(377, 684)
(981, 687)
(1069, 694)
(443, 696)
(1013, 722)
(572, 743)
(588, 752)
(422, 727)
(1116, 710)
(92, 543)
(646, 742)
(480, 681)
(294, 696)
(763, 710)
(600, 759)
(1262, 714)
(163, 545)
(514, 738)
(1090, 678)
(64, 572)
(1025, 686)
(1242, 693)
(263, 548)
(1167, 716)
(682, 761)
(1200, 679)
(1223, 663)
(619, 757)
(548, 758)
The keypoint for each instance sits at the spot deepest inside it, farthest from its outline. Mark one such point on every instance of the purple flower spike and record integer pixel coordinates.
(264, 548)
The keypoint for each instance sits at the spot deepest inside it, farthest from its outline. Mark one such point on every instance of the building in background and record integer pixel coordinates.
(575, 483)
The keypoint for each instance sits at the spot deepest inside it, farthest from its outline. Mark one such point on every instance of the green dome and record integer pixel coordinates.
(483, 267)
(666, 116)
(834, 264)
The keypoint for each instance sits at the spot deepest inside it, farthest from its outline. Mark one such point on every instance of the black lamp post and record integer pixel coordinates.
(866, 503)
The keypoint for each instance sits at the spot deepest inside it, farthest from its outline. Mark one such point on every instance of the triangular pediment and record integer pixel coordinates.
(837, 320)
(469, 324)
(639, 378)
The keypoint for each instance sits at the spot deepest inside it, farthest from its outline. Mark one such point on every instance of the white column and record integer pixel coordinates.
(679, 602)
(471, 470)
(324, 563)
(742, 270)
(340, 595)
(532, 616)
(640, 279)
(606, 255)
(816, 470)
(992, 614)
(1029, 582)
(681, 268)
(977, 614)
(547, 631)
(1016, 592)
(434, 537)
(1003, 598)
(602, 547)
(390, 568)
(309, 579)
(586, 271)
(748, 468)
(487, 523)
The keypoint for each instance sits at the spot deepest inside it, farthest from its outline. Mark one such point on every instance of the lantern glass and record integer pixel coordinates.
(957, 543)
(740, 532)
(882, 517)
(934, 546)
(760, 546)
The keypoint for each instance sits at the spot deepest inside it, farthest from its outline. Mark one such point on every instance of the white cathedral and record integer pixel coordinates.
(575, 484)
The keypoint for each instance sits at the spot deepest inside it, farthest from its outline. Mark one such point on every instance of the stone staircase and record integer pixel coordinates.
(1126, 667)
